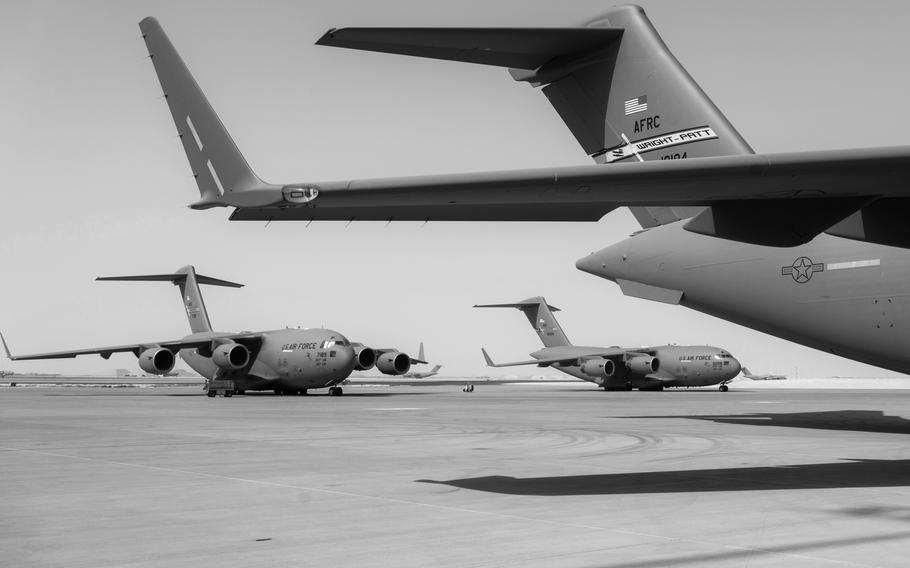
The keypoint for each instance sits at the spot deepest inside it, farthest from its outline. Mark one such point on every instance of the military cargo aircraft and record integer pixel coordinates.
(425, 374)
(749, 375)
(286, 361)
(620, 368)
(807, 246)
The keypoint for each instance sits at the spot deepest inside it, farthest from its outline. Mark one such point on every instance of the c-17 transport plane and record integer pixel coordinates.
(807, 246)
(286, 361)
(749, 375)
(620, 368)
(425, 374)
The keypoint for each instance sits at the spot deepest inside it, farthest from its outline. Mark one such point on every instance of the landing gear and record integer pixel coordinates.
(335, 391)
(211, 393)
(301, 392)
(723, 388)
(468, 388)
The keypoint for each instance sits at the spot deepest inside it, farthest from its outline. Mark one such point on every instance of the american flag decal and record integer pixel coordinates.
(639, 104)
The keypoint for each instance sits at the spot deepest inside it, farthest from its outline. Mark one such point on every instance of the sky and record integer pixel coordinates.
(95, 182)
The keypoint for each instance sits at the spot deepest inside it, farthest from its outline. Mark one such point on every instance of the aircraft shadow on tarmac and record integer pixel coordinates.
(855, 420)
(837, 475)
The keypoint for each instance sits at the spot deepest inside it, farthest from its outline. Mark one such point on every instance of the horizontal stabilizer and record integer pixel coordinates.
(520, 305)
(175, 278)
(521, 48)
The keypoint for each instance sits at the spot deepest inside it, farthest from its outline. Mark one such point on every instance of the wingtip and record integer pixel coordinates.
(148, 21)
(487, 358)
(6, 347)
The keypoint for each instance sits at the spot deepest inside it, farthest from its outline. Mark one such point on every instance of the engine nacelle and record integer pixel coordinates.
(599, 368)
(231, 356)
(364, 358)
(157, 360)
(393, 363)
(643, 364)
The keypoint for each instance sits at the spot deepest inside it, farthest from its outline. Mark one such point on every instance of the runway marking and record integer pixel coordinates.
(731, 548)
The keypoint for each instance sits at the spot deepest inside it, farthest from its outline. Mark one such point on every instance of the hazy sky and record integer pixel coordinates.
(95, 181)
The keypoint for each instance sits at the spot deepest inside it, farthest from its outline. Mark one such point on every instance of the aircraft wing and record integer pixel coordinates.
(571, 359)
(775, 199)
(251, 340)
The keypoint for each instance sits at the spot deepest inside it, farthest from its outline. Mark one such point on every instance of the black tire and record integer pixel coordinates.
(228, 394)
(724, 388)
(303, 392)
(211, 394)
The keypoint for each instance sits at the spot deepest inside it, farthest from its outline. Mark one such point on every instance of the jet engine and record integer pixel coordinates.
(231, 356)
(598, 368)
(157, 360)
(643, 364)
(364, 358)
(393, 363)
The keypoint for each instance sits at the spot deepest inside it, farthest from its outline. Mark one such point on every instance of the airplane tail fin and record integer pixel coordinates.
(188, 281)
(540, 315)
(746, 372)
(222, 173)
(613, 81)
(420, 354)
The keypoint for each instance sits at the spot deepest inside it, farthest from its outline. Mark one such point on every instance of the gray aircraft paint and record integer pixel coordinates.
(680, 365)
(851, 299)
(750, 196)
(289, 360)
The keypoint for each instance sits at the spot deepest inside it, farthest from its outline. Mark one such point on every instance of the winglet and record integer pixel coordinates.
(6, 348)
(487, 358)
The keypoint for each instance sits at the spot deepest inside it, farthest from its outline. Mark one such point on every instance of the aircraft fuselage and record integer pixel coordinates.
(846, 297)
(291, 359)
(680, 366)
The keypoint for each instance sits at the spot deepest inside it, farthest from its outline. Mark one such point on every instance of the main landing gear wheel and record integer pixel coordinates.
(723, 388)
(228, 393)
(211, 394)
(335, 391)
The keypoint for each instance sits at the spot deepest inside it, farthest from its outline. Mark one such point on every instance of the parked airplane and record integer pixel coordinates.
(807, 246)
(620, 368)
(749, 375)
(287, 361)
(418, 375)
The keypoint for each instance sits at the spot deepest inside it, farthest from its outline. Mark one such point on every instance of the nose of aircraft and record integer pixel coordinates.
(607, 263)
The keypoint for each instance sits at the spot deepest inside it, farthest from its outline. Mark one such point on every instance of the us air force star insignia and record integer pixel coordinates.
(802, 269)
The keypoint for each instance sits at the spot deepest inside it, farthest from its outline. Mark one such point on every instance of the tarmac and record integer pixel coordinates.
(508, 475)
